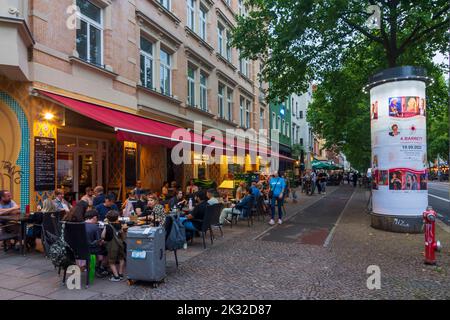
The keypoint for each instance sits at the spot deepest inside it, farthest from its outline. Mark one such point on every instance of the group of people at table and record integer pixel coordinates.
(102, 216)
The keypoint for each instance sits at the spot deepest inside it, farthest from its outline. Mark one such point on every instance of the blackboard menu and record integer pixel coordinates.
(44, 164)
(130, 167)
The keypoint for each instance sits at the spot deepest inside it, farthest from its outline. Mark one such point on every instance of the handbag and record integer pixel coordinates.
(271, 191)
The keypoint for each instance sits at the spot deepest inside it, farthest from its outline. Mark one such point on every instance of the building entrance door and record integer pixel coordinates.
(82, 163)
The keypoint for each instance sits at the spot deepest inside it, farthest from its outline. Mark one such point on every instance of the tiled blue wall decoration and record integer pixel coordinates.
(24, 156)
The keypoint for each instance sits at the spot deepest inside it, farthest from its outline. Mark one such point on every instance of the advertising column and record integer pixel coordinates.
(399, 158)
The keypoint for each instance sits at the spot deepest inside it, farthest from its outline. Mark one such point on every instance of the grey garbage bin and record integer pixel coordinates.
(146, 254)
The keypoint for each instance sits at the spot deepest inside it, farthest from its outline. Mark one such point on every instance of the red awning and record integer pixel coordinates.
(129, 127)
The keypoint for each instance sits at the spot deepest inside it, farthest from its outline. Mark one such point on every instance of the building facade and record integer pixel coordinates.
(280, 120)
(301, 134)
(91, 97)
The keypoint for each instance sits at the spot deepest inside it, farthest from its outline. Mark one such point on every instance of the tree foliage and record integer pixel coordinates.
(328, 41)
(302, 40)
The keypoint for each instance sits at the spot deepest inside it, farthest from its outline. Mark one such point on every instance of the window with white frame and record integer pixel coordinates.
(203, 22)
(89, 41)
(293, 133)
(261, 118)
(241, 112)
(282, 126)
(191, 14)
(220, 38)
(228, 45)
(301, 114)
(229, 104)
(147, 63)
(241, 8)
(287, 130)
(244, 66)
(203, 92)
(165, 4)
(279, 123)
(191, 86)
(221, 100)
(248, 107)
(165, 72)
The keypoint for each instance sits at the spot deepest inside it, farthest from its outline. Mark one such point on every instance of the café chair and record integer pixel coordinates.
(206, 224)
(76, 237)
(10, 231)
(50, 230)
(215, 219)
(168, 228)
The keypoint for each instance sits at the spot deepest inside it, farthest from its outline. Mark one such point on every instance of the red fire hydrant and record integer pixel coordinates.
(431, 244)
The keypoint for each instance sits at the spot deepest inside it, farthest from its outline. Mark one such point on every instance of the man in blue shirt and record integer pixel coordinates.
(242, 208)
(277, 186)
(105, 207)
(7, 204)
(255, 190)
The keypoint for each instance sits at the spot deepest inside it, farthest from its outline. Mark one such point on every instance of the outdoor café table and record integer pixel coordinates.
(22, 221)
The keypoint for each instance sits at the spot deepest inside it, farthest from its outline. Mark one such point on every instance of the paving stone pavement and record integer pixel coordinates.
(242, 266)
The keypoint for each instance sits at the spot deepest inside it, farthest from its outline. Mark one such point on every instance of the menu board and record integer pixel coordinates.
(130, 167)
(44, 164)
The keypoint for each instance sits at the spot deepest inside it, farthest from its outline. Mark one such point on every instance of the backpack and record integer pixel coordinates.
(177, 236)
(60, 253)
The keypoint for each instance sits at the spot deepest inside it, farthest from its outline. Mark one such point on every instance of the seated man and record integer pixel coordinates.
(61, 203)
(212, 196)
(178, 200)
(7, 206)
(105, 207)
(242, 208)
(197, 214)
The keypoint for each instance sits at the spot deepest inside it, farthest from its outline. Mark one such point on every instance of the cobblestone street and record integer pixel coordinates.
(252, 263)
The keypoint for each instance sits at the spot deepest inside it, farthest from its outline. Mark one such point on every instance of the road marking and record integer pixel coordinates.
(331, 234)
(287, 218)
(443, 199)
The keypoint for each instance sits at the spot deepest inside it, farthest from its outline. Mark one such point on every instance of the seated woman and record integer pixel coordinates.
(165, 190)
(154, 212)
(76, 214)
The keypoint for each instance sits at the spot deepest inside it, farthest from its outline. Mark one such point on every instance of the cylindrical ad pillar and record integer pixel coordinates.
(399, 149)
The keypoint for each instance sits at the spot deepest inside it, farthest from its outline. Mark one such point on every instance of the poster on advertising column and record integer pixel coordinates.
(399, 160)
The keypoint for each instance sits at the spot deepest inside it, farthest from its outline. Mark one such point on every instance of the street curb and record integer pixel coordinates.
(443, 226)
(331, 234)
(290, 217)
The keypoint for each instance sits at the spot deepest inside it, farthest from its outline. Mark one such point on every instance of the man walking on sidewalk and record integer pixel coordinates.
(277, 186)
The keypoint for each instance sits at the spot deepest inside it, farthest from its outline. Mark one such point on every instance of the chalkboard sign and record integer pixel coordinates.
(130, 167)
(44, 164)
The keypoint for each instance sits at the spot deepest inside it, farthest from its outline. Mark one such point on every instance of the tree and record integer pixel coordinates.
(340, 109)
(302, 40)
(328, 40)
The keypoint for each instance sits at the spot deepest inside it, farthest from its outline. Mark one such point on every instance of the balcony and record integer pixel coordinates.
(15, 40)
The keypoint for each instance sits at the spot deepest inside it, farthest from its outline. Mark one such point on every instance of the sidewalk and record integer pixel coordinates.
(246, 264)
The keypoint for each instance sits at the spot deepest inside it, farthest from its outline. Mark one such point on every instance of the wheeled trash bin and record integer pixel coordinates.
(146, 254)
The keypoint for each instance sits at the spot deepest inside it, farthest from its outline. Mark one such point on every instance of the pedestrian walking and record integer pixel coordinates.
(313, 181)
(277, 187)
(355, 178)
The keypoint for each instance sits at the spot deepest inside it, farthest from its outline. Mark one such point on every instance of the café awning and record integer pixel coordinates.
(128, 127)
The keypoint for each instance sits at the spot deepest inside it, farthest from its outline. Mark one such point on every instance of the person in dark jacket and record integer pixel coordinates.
(194, 220)
(105, 207)
(99, 197)
(242, 208)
